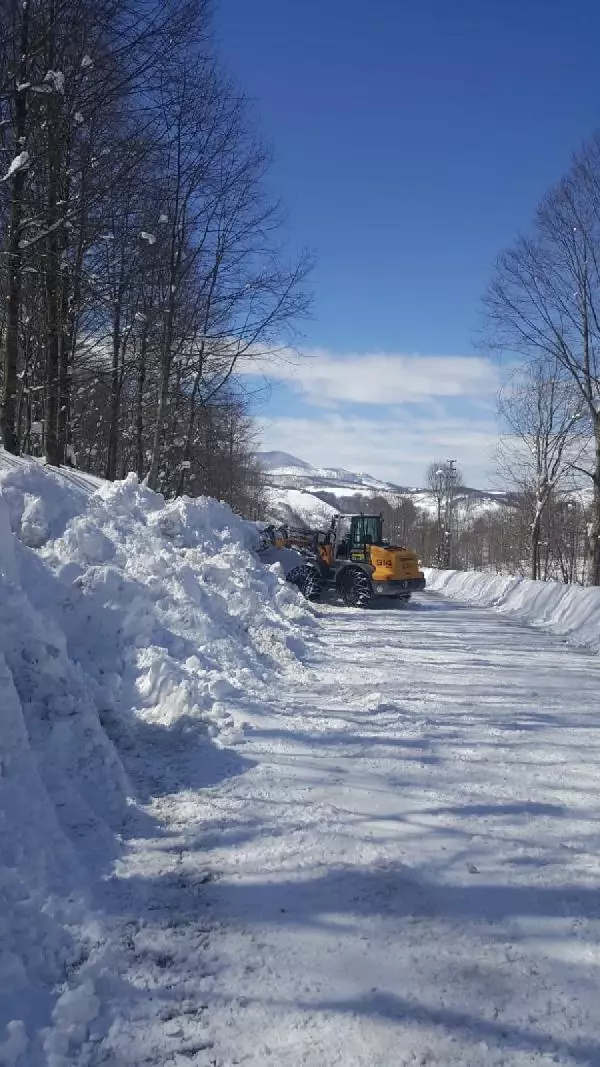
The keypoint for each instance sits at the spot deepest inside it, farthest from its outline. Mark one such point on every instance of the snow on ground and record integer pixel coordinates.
(403, 868)
(569, 611)
(234, 831)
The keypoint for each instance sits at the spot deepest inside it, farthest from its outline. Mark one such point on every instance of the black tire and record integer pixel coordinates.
(308, 580)
(356, 588)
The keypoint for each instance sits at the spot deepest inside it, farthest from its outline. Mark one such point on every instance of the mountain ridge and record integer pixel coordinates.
(285, 471)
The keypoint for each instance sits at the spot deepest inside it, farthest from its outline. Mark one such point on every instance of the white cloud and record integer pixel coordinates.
(397, 449)
(328, 379)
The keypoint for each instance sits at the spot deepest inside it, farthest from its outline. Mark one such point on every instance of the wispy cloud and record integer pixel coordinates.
(395, 449)
(388, 414)
(379, 379)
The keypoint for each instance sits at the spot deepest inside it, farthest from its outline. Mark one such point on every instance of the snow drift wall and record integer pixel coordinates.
(118, 613)
(568, 611)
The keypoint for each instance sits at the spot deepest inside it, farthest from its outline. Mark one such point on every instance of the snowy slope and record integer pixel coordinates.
(284, 472)
(127, 627)
(299, 508)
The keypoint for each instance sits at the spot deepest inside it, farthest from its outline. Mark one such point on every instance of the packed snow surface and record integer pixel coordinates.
(234, 831)
(569, 611)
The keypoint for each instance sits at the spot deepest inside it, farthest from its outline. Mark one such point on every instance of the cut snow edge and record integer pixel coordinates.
(568, 611)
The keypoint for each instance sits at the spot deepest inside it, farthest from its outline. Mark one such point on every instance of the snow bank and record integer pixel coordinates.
(118, 613)
(569, 611)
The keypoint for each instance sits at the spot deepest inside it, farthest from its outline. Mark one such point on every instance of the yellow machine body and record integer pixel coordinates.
(394, 564)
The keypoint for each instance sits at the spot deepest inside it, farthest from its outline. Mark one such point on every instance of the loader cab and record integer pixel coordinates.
(355, 533)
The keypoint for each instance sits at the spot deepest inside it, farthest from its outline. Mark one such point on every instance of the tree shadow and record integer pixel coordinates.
(504, 1036)
(525, 808)
(334, 738)
(338, 900)
(179, 757)
(389, 890)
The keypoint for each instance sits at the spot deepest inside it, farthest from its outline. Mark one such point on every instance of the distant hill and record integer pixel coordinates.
(296, 487)
(281, 461)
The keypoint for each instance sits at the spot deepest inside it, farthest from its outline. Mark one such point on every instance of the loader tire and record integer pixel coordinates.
(308, 580)
(356, 588)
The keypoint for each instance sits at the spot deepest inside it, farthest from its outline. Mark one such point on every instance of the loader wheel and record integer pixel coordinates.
(356, 588)
(308, 580)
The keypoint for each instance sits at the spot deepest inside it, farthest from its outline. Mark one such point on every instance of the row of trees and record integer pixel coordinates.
(543, 315)
(141, 253)
(469, 532)
(499, 536)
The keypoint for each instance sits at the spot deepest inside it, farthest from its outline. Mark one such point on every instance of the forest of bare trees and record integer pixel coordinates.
(141, 252)
(543, 314)
(467, 530)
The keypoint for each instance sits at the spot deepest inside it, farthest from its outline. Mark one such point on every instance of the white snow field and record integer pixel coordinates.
(237, 831)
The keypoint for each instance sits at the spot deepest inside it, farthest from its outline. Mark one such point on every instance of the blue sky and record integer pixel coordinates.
(412, 142)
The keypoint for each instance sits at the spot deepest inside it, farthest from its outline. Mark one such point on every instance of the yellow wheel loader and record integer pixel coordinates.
(352, 557)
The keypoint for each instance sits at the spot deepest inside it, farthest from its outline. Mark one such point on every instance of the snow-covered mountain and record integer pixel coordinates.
(289, 472)
(296, 487)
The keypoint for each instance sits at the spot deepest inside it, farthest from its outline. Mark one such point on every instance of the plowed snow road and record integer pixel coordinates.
(398, 863)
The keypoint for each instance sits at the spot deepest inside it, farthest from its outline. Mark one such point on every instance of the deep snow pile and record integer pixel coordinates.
(569, 611)
(118, 613)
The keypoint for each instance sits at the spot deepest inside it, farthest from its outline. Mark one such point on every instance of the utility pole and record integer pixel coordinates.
(450, 487)
(439, 496)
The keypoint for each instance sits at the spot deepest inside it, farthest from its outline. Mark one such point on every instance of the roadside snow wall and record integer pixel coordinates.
(119, 614)
(569, 611)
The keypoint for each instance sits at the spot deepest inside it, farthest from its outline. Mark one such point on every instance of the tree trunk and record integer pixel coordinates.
(535, 548)
(139, 408)
(163, 396)
(52, 448)
(160, 422)
(65, 381)
(8, 410)
(52, 444)
(115, 397)
(594, 536)
(64, 374)
(187, 451)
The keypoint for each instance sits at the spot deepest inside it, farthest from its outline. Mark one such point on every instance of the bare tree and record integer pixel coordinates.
(17, 59)
(143, 256)
(544, 442)
(544, 301)
(435, 482)
(443, 478)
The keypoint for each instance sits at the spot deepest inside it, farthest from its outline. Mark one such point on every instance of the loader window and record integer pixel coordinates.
(366, 530)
